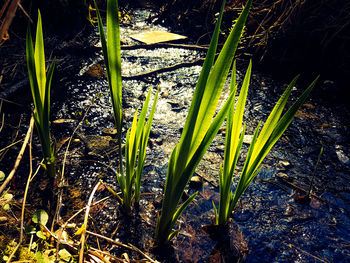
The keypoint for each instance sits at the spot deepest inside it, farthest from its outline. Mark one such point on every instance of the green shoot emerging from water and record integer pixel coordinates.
(111, 54)
(135, 149)
(260, 146)
(200, 128)
(40, 85)
(137, 136)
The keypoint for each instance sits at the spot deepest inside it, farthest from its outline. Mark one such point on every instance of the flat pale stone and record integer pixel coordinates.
(156, 37)
(248, 139)
(60, 121)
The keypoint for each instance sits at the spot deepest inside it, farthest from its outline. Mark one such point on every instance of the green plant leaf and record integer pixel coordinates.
(41, 235)
(30, 229)
(42, 258)
(8, 197)
(40, 85)
(111, 54)
(114, 60)
(271, 132)
(64, 255)
(200, 127)
(39, 58)
(273, 118)
(32, 75)
(2, 176)
(173, 234)
(177, 215)
(180, 210)
(46, 103)
(40, 217)
(233, 144)
(187, 134)
(145, 131)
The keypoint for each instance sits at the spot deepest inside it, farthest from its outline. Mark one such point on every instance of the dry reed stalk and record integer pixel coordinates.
(19, 157)
(6, 22)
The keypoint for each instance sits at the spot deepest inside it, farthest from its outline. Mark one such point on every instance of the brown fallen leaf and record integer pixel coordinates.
(207, 194)
(61, 142)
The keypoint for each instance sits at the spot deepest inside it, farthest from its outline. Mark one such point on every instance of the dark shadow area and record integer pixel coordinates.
(286, 38)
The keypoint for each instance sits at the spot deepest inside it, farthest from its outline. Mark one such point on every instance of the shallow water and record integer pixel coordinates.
(270, 224)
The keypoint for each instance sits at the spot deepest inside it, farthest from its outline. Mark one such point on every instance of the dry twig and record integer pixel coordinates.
(24, 200)
(301, 189)
(164, 45)
(10, 14)
(165, 69)
(13, 140)
(61, 181)
(19, 157)
(306, 253)
(129, 246)
(84, 227)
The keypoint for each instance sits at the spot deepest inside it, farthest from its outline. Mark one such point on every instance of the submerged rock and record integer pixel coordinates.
(99, 146)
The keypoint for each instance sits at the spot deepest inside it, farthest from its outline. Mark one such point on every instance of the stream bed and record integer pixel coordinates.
(273, 221)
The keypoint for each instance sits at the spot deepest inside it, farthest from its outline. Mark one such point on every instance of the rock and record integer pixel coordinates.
(196, 182)
(156, 37)
(285, 163)
(60, 121)
(99, 145)
(96, 71)
(109, 131)
(343, 158)
(282, 175)
(165, 95)
(247, 139)
(282, 165)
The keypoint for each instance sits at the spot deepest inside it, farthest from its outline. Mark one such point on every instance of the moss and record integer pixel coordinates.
(6, 248)
(26, 254)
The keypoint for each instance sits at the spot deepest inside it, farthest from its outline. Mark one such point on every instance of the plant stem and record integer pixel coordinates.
(314, 172)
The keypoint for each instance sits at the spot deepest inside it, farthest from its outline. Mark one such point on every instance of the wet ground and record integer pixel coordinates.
(273, 222)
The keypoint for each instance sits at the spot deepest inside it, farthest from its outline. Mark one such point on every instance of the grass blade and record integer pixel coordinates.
(39, 57)
(103, 41)
(273, 118)
(282, 125)
(114, 60)
(233, 144)
(111, 54)
(180, 210)
(32, 73)
(216, 80)
(142, 148)
(187, 136)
